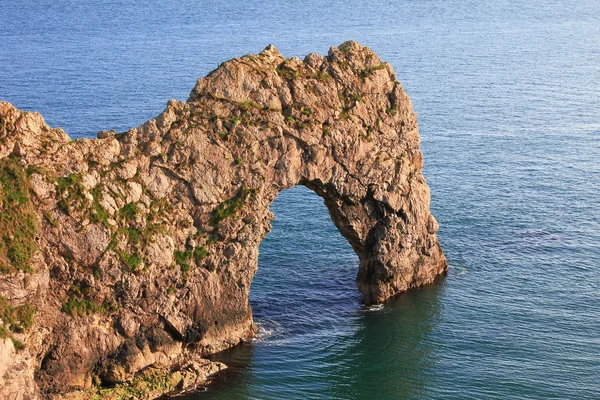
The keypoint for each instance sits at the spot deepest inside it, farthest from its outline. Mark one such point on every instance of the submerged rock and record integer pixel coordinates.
(142, 245)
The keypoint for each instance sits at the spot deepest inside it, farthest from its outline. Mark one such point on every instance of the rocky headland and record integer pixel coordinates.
(126, 259)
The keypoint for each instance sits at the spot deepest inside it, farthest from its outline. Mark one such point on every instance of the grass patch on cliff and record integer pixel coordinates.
(245, 106)
(323, 76)
(287, 72)
(132, 261)
(75, 307)
(235, 122)
(184, 258)
(129, 212)
(151, 383)
(79, 303)
(71, 193)
(82, 307)
(72, 198)
(129, 241)
(98, 214)
(367, 72)
(224, 135)
(18, 219)
(230, 207)
(15, 320)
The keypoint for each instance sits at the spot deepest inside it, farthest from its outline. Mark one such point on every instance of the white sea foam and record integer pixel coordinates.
(373, 308)
(267, 331)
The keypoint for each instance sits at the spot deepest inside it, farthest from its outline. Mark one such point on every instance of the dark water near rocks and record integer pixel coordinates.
(508, 96)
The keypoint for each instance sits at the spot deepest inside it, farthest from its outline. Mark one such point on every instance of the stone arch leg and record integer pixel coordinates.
(397, 250)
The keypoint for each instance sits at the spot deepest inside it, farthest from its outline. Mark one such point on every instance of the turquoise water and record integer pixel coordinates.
(508, 97)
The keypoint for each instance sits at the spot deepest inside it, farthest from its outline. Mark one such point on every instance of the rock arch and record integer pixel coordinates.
(148, 240)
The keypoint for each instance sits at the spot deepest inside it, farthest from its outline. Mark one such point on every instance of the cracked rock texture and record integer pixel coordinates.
(146, 242)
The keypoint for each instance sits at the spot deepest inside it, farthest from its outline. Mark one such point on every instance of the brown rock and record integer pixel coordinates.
(106, 134)
(85, 246)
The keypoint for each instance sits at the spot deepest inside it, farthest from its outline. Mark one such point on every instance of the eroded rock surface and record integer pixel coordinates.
(142, 245)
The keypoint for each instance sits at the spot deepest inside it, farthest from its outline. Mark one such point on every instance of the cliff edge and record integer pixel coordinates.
(126, 259)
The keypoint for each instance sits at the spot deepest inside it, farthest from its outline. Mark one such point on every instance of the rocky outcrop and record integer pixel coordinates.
(136, 250)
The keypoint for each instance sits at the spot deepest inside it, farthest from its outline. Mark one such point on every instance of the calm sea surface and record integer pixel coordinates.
(508, 97)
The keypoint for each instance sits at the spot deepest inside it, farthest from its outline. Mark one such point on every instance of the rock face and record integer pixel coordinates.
(141, 246)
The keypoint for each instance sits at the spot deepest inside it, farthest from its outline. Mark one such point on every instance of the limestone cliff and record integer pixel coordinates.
(138, 249)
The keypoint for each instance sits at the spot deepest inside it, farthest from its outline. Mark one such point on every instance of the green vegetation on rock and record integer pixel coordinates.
(18, 220)
(98, 214)
(72, 198)
(75, 307)
(129, 212)
(15, 320)
(129, 241)
(287, 72)
(132, 261)
(71, 193)
(244, 106)
(230, 207)
(183, 258)
(366, 72)
(80, 304)
(151, 383)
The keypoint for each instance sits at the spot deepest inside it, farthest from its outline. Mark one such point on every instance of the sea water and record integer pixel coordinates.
(508, 101)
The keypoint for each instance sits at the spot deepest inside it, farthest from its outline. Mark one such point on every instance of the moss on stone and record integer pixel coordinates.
(18, 220)
(151, 383)
(49, 218)
(287, 72)
(23, 318)
(15, 320)
(244, 106)
(368, 71)
(159, 208)
(82, 307)
(128, 241)
(71, 193)
(37, 169)
(98, 213)
(80, 303)
(230, 207)
(75, 307)
(323, 76)
(132, 261)
(224, 135)
(235, 122)
(129, 212)
(184, 258)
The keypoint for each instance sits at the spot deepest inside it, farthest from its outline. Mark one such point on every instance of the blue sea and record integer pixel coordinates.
(508, 101)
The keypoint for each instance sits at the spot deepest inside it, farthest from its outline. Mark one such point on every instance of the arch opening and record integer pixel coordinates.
(303, 260)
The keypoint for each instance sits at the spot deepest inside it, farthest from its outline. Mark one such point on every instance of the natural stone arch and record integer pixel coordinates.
(346, 130)
(164, 221)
